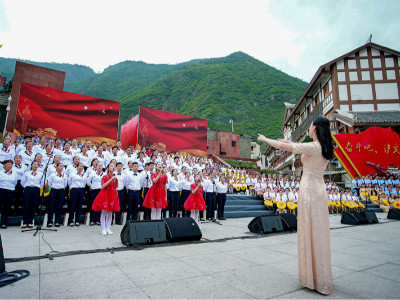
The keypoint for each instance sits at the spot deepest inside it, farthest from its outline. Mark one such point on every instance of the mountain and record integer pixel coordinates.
(73, 73)
(236, 87)
(121, 80)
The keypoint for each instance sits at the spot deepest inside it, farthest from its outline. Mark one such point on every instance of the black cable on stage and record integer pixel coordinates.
(137, 247)
(11, 277)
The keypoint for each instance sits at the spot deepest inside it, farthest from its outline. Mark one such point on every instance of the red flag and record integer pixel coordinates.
(129, 132)
(373, 148)
(172, 132)
(51, 112)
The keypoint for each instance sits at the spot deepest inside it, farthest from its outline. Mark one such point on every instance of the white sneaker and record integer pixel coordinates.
(104, 232)
(109, 231)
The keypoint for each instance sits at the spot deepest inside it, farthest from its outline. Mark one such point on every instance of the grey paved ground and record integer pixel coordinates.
(365, 259)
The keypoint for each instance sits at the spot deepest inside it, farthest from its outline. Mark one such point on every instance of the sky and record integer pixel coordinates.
(295, 37)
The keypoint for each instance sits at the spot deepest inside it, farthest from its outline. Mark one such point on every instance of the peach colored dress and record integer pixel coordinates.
(313, 231)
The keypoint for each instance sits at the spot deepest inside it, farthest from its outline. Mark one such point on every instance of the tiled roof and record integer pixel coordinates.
(370, 117)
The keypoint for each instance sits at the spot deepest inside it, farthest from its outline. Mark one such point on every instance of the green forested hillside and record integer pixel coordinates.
(120, 80)
(236, 87)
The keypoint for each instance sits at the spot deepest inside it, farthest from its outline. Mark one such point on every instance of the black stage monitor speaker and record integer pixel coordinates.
(371, 216)
(143, 232)
(266, 224)
(289, 221)
(353, 218)
(357, 218)
(2, 262)
(394, 213)
(182, 229)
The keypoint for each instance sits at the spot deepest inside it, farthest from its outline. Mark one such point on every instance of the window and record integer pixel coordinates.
(223, 153)
(233, 143)
(326, 90)
(317, 100)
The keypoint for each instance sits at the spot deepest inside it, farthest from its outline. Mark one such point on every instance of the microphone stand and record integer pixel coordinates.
(39, 227)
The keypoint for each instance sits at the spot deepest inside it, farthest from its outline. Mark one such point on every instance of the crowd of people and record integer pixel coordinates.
(383, 191)
(75, 174)
(280, 192)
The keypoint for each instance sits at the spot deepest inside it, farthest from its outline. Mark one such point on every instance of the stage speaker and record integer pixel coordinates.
(143, 232)
(371, 216)
(394, 213)
(182, 229)
(357, 218)
(2, 261)
(289, 221)
(353, 218)
(266, 224)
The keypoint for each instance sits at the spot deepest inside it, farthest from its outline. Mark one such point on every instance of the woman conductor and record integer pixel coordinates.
(314, 255)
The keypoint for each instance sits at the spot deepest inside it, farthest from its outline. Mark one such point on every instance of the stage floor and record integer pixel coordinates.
(365, 263)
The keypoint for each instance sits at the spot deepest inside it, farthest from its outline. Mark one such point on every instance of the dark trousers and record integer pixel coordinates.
(210, 203)
(6, 197)
(221, 199)
(94, 215)
(18, 196)
(75, 204)
(31, 198)
(121, 197)
(185, 194)
(133, 205)
(147, 211)
(174, 203)
(56, 200)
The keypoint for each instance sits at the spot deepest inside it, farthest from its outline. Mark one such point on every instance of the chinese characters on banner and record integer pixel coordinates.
(377, 146)
(3, 81)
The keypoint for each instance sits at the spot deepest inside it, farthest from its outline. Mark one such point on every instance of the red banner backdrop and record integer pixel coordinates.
(129, 132)
(50, 112)
(172, 132)
(365, 151)
(345, 163)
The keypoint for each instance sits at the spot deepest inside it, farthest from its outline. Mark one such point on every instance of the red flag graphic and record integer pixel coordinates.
(172, 132)
(51, 112)
(129, 132)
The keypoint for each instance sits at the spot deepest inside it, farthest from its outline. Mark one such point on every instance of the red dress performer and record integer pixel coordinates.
(107, 200)
(195, 202)
(156, 197)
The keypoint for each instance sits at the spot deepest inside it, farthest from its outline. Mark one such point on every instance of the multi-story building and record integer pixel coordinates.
(354, 91)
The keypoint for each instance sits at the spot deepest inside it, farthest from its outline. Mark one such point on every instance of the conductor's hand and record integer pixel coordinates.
(261, 138)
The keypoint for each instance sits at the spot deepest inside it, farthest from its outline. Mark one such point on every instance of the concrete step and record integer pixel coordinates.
(244, 207)
(243, 214)
(244, 202)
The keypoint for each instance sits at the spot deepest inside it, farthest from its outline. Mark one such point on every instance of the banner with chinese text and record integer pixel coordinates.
(365, 152)
(55, 113)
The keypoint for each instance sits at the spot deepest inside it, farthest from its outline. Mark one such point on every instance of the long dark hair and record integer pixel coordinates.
(324, 136)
